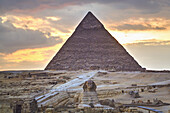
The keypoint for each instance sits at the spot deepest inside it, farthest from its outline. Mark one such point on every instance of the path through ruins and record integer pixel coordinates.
(64, 87)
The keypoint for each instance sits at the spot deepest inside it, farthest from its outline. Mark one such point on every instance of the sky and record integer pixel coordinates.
(32, 31)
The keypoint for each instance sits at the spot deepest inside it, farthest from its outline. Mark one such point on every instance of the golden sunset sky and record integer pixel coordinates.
(32, 31)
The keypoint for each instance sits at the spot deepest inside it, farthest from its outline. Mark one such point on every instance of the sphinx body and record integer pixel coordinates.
(89, 95)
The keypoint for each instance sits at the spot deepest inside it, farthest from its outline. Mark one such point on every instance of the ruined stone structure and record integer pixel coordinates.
(18, 105)
(91, 47)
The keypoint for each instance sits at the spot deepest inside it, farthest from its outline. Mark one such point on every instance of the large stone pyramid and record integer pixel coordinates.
(91, 46)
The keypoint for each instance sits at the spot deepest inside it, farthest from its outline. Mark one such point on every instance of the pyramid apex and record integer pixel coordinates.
(90, 22)
(89, 12)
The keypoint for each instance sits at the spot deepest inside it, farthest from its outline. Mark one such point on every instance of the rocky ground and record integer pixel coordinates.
(109, 85)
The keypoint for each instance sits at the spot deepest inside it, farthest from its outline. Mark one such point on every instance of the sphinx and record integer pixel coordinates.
(89, 97)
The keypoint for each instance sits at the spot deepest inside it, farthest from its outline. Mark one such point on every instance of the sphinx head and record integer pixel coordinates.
(89, 86)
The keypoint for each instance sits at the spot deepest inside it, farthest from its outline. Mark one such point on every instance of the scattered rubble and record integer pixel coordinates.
(63, 92)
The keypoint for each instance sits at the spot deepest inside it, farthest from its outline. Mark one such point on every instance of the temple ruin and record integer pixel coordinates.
(92, 47)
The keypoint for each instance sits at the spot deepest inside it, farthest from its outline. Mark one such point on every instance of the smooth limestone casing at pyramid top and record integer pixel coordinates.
(91, 46)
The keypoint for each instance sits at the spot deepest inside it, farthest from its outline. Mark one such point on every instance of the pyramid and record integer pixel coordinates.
(92, 47)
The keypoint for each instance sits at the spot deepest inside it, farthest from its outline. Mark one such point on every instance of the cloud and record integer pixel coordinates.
(152, 54)
(53, 18)
(74, 10)
(35, 5)
(33, 24)
(150, 42)
(144, 6)
(138, 27)
(12, 39)
(45, 25)
(141, 24)
(36, 58)
(31, 55)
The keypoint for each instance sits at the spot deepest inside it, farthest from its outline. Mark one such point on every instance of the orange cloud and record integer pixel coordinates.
(140, 24)
(32, 55)
(147, 29)
(2, 54)
(31, 23)
(145, 21)
(150, 42)
(53, 18)
(30, 59)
